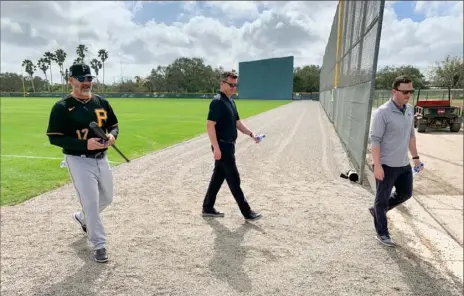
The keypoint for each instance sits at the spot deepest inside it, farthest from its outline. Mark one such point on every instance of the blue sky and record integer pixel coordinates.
(405, 9)
(160, 11)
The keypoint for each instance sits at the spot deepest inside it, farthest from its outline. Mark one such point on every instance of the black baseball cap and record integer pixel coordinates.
(80, 69)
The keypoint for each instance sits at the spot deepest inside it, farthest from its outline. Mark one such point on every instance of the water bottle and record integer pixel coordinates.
(416, 169)
(260, 137)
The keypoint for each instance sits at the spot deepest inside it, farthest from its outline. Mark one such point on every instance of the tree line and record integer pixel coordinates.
(192, 75)
(12, 82)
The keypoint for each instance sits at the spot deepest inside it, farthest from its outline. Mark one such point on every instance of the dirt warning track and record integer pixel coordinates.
(316, 236)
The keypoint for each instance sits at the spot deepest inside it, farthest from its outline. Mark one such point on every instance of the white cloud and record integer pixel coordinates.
(405, 42)
(267, 29)
(438, 8)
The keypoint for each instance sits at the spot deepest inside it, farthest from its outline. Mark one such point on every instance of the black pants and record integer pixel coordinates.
(226, 169)
(401, 178)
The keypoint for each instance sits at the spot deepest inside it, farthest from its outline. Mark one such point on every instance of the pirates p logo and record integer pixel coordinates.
(101, 115)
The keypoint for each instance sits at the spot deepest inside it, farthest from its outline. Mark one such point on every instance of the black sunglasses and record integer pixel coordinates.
(405, 92)
(231, 84)
(82, 78)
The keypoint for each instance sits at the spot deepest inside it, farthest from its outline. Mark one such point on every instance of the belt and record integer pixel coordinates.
(228, 142)
(99, 155)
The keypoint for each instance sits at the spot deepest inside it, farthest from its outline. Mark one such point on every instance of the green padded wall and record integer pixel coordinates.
(268, 79)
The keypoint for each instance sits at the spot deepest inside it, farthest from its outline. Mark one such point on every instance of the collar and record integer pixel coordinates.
(224, 96)
(395, 107)
(83, 101)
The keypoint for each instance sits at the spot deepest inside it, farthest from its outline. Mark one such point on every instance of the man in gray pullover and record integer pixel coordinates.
(392, 135)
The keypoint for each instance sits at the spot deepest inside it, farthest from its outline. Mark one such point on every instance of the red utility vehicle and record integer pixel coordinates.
(436, 113)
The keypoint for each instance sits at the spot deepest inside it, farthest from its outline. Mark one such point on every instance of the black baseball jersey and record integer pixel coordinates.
(68, 125)
(224, 112)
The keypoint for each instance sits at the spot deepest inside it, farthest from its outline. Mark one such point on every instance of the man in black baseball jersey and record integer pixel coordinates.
(222, 124)
(85, 153)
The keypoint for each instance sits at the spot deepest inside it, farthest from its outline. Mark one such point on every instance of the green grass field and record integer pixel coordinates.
(146, 126)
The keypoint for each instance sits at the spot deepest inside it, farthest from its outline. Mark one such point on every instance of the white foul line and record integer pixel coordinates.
(41, 157)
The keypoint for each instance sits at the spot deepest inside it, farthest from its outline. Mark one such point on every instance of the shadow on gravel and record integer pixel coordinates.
(229, 254)
(422, 277)
(82, 281)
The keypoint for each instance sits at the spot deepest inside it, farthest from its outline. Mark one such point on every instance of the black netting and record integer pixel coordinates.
(347, 101)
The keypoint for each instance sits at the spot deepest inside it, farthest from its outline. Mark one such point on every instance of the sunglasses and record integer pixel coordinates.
(82, 78)
(405, 92)
(231, 84)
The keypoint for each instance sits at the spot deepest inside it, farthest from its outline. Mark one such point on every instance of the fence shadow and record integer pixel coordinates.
(229, 255)
(421, 276)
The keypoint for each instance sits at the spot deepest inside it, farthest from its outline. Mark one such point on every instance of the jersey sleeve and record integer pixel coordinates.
(56, 121)
(112, 118)
(112, 122)
(214, 110)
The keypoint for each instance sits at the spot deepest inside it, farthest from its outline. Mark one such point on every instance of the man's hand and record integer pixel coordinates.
(378, 172)
(217, 153)
(111, 140)
(93, 144)
(255, 137)
(417, 164)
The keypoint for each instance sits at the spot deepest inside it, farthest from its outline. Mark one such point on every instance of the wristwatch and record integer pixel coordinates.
(415, 157)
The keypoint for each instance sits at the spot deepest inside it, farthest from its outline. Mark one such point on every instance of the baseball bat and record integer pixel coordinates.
(99, 132)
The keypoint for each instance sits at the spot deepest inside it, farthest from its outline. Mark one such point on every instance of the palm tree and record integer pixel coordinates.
(43, 65)
(96, 65)
(148, 85)
(77, 60)
(60, 58)
(30, 68)
(103, 55)
(66, 77)
(49, 58)
(81, 50)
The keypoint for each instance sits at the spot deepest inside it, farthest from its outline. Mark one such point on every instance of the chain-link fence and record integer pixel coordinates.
(346, 86)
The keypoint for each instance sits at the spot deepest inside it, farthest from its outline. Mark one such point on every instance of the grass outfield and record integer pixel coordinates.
(30, 164)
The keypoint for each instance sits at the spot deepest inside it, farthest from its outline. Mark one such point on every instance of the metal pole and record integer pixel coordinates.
(339, 37)
(363, 28)
(369, 103)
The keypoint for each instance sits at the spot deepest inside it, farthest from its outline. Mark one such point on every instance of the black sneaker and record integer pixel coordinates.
(253, 216)
(100, 255)
(386, 240)
(212, 213)
(84, 228)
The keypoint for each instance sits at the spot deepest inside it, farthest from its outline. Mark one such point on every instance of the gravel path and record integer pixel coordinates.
(316, 236)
